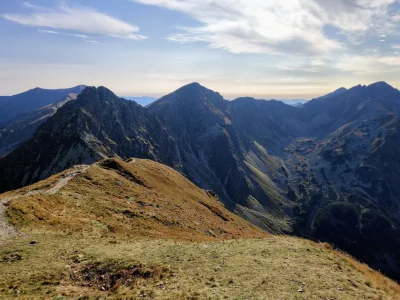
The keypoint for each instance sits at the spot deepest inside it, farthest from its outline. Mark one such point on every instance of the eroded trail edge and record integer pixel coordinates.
(7, 231)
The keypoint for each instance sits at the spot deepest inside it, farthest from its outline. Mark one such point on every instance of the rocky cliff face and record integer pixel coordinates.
(328, 170)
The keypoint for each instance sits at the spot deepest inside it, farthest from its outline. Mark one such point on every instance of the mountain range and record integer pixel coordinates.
(22, 127)
(11, 106)
(293, 102)
(327, 170)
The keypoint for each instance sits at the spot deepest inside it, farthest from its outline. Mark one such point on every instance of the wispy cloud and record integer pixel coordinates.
(49, 31)
(76, 18)
(280, 27)
(359, 65)
(84, 37)
(28, 4)
(309, 68)
(369, 64)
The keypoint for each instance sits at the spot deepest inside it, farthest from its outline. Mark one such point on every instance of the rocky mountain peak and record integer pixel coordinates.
(103, 102)
(194, 93)
(193, 85)
(92, 93)
(88, 93)
(190, 99)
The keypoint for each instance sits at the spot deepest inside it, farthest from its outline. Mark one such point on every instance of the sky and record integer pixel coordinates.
(293, 49)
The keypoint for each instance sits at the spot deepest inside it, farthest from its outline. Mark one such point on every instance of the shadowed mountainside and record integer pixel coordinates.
(22, 127)
(11, 106)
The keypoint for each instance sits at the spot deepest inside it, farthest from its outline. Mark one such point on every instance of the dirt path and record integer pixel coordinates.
(6, 230)
(76, 170)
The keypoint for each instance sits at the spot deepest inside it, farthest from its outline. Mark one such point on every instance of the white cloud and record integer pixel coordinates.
(308, 67)
(77, 18)
(84, 37)
(375, 65)
(185, 39)
(302, 69)
(276, 26)
(49, 31)
(28, 4)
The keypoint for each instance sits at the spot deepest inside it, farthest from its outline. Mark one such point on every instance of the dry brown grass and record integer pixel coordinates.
(277, 267)
(125, 200)
(373, 277)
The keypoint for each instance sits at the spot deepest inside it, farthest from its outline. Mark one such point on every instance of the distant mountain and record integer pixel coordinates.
(22, 127)
(328, 170)
(11, 106)
(292, 102)
(143, 101)
(298, 104)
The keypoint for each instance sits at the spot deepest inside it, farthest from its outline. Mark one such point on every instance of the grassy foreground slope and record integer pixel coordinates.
(140, 230)
(125, 199)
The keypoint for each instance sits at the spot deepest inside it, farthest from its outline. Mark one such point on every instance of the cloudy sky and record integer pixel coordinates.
(260, 48)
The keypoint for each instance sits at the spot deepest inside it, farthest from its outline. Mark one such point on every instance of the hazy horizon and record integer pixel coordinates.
(265, 49)
(157, 96)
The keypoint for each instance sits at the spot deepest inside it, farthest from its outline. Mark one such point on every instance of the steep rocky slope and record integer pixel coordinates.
(22, 127)
(11, 106)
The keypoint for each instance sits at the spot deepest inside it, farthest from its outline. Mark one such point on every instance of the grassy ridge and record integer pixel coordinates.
(124, 200)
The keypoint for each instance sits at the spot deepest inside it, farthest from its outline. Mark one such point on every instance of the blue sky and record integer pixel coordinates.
(260, 48)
